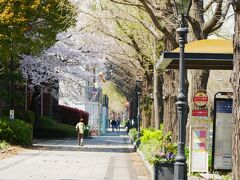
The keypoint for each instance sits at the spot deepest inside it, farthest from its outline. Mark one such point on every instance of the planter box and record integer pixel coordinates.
(164, 171)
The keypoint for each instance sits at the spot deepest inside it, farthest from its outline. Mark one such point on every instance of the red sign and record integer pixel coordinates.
(200, 98)
(200, 112)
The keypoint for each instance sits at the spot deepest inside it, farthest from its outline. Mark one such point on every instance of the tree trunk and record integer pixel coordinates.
(156, 92)
(236, 99)
(160, 96)
(152, 118)
(199, 80)
(170, 109)
(35, 103)
(146, 105)
(146, 121)
(156, 99)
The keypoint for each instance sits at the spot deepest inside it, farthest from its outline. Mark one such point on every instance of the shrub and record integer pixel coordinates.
(24, 115)
(150, 134)
(157, 146)
(22, 132)
(47, 128)
(3, 145)
(46, 122)
(6, 133)
(15, 131)
(53, 132)
(86, 131)
(133, 134)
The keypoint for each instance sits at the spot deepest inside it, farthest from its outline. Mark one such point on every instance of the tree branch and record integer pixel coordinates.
(157, 24)
(134, 44)
(214, 20)
(146, 26)
(127, 4)
(117, 38)
(222, 19)
(196, 27)
(208, 5)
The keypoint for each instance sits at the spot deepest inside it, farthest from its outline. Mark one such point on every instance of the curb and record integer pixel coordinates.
(85, 149)
(148, 166)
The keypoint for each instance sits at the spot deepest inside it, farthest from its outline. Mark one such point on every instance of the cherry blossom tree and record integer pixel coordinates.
(77, 56)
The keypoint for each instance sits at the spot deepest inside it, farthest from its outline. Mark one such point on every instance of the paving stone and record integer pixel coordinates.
(105, 157)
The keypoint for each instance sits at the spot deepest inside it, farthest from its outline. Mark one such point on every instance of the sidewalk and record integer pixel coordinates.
(117, 141)
(106, 157)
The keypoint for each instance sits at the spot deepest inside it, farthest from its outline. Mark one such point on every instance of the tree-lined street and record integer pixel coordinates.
(165, 71)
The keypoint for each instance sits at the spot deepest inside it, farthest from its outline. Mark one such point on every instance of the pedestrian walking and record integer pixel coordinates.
(113, 123)
(118, 124)
(80, 131)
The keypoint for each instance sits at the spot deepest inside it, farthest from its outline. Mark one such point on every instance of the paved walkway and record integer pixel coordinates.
(117, 141)
(108, 157)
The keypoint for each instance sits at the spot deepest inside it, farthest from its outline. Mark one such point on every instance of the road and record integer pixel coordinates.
(108, 157)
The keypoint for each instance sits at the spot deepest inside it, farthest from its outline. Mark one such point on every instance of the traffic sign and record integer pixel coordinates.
(200, 98)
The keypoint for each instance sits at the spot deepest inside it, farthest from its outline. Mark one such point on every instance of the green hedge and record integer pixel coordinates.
(47, 128)
(56, 132)
(15, 131)
(46, 122)
(25, 115)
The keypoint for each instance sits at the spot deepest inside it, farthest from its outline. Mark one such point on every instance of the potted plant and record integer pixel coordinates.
(159, 151)
(164, 166)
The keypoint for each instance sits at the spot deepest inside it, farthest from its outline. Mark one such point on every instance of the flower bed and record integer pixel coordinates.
(157, 148)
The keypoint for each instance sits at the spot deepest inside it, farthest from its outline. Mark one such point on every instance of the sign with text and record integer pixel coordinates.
(11, 114)
(222, 142)
(200, 98)
(199, 133)
(199, 149)
(200, 112)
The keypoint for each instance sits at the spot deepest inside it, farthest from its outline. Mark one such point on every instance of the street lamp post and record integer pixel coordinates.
(180, 166)
(138, 86)
(11, 103)
(138, 114)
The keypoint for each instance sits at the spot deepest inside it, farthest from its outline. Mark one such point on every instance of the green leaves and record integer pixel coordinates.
(31, 26)
(28, 27)
(157, 145)
(15, 131)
